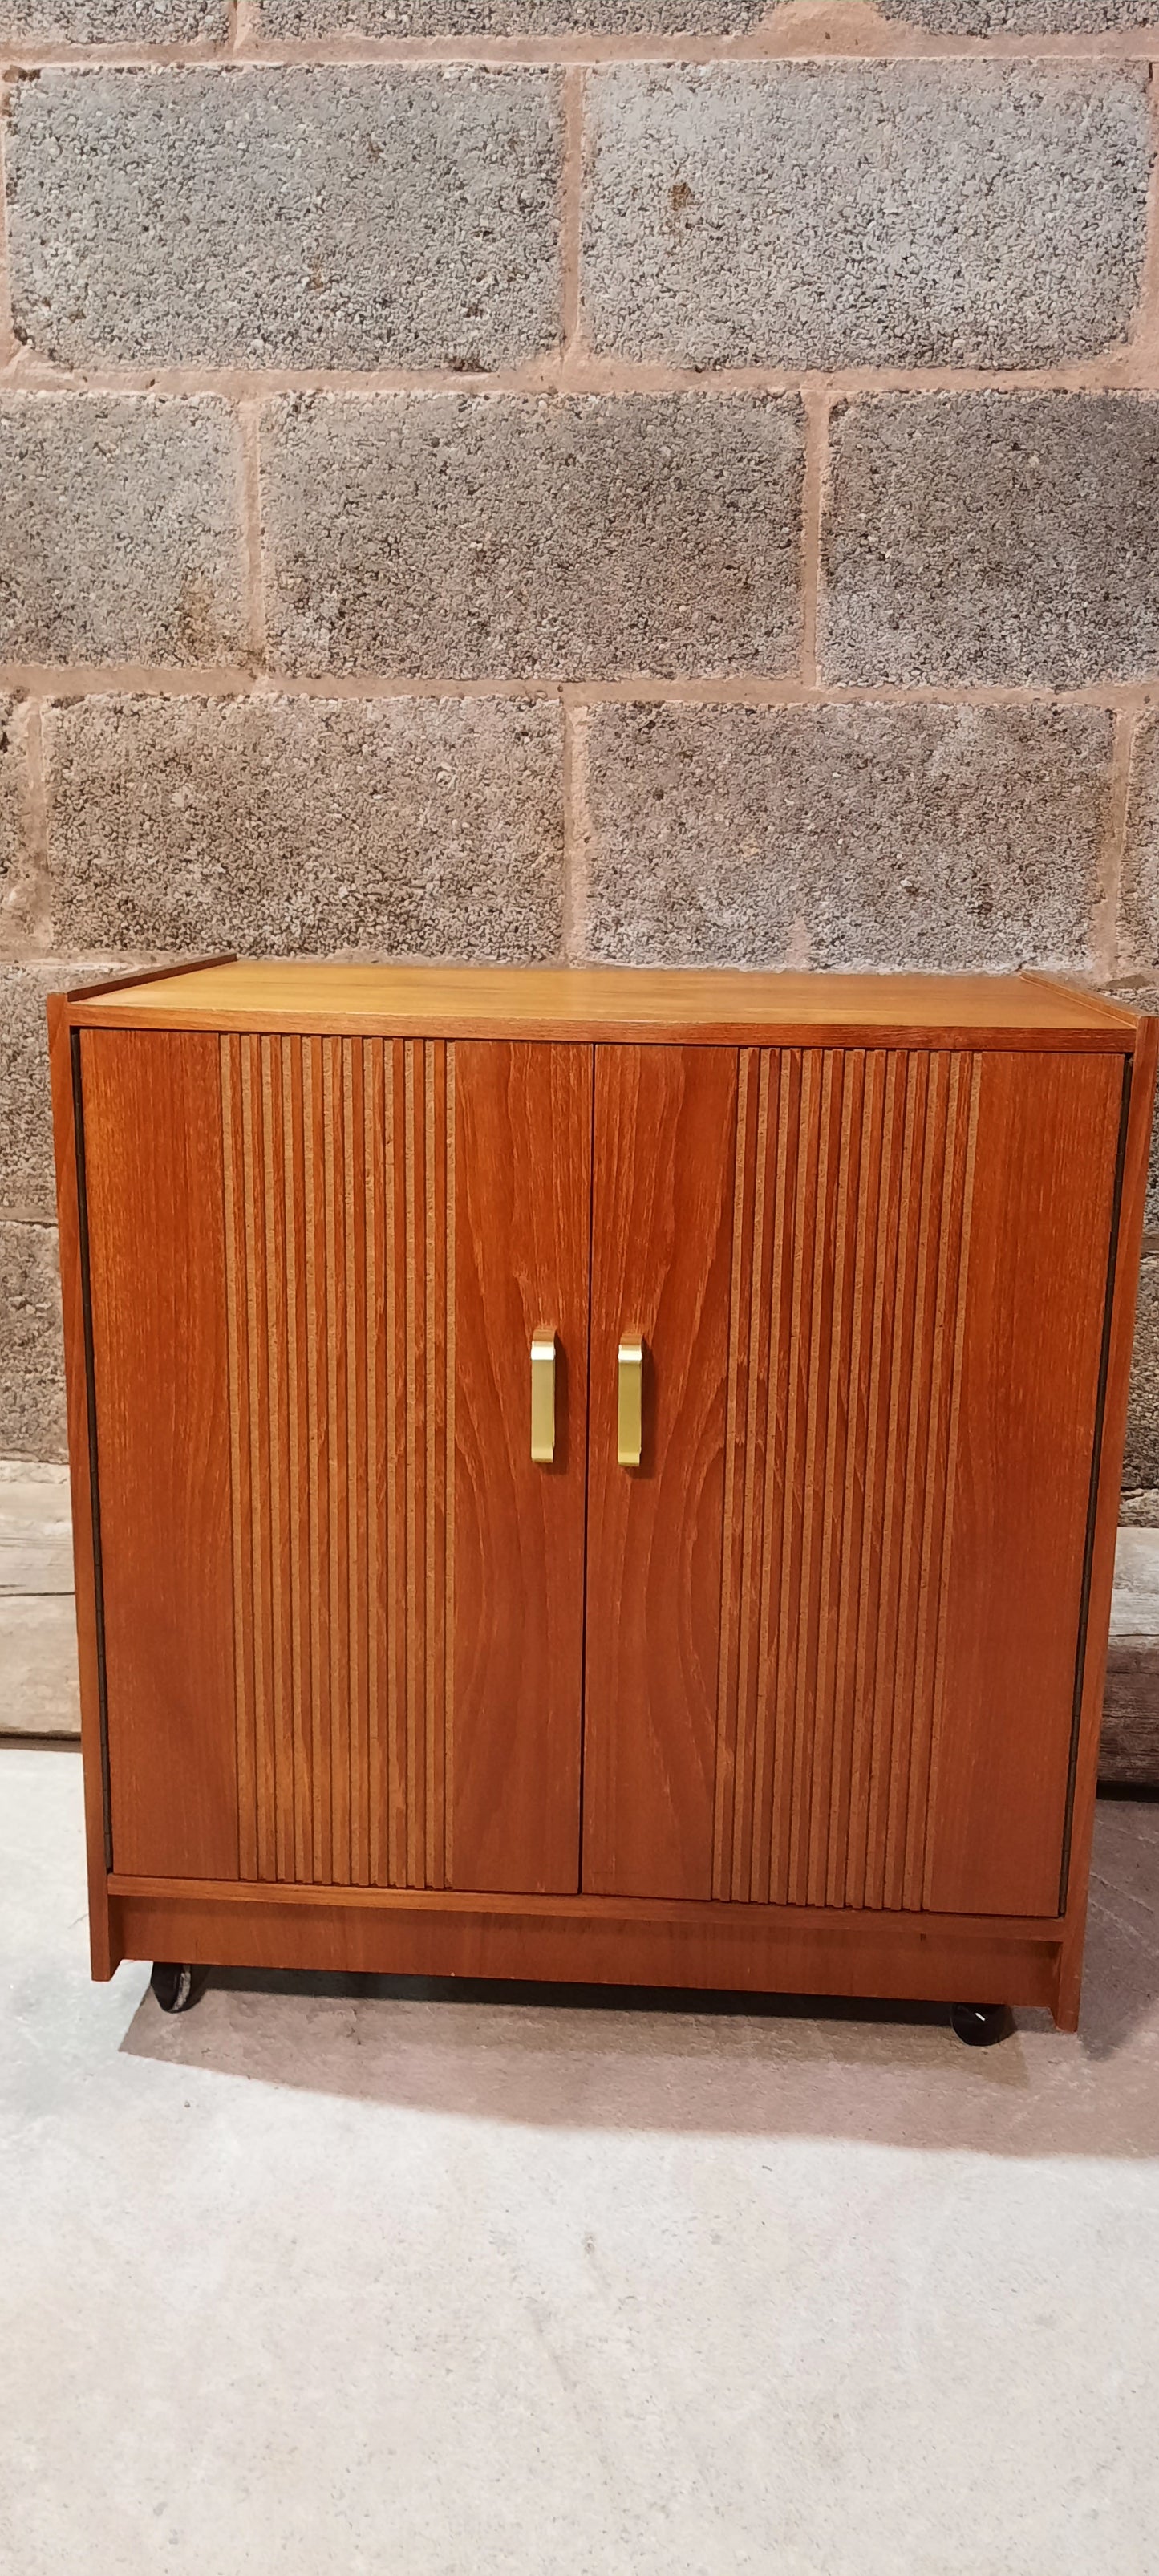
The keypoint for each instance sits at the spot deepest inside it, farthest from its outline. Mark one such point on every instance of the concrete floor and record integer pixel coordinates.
(349, 2279)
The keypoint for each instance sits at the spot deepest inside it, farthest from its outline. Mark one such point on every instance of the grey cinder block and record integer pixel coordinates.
(27, 1186)
(32, 1414)
(901, 214)
(308, 217)
(672, 17)
(848, 836)
(9, 791)
(111, 22)
(992, 538)
(26, 1176)
(530, 537)
(511, 17)
(123, 522)
(1145, 997)
(1139, 897)
(420, 827)
(1023, 17)
(1141, 1455)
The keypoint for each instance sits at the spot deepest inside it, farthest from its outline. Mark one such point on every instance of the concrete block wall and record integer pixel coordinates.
(621, 479)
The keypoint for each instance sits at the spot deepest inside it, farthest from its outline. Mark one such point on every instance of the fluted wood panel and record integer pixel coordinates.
(339, 1206)
(851, 1233)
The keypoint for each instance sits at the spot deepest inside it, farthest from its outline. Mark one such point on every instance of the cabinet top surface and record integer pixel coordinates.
(717, 1005)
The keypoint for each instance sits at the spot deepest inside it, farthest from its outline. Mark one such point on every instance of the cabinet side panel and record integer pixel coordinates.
(160, 1352)
(666, 1178)
(519, 1249)
(64, 1053)
(1044, 1185)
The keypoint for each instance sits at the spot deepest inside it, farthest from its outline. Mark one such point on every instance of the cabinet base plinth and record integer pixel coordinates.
(592, 1941)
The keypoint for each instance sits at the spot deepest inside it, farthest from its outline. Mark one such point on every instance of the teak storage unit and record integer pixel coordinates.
(598, 1475)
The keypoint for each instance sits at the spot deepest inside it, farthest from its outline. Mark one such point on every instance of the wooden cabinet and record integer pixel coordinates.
(779, 1664)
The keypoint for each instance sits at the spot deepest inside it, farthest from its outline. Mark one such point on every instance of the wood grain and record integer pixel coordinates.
(411, 1588)
(853, 1187)
(335, 1159)
(83, 1478)
(577, 1908)
(523, 1131)
(662, 1226)
(631, 1005)
(157, 1258)
(729, 1948)
(150, 975)
(1045, 1161)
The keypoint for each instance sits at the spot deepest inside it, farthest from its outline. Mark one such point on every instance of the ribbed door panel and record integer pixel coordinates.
(854, 1182)
(339, 1203)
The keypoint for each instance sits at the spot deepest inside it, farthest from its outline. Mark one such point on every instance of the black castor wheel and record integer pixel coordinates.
(981, 2025)
(173, 1986)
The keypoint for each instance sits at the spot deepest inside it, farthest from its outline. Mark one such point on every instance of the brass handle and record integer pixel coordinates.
(630, 1409)
(543, 1396)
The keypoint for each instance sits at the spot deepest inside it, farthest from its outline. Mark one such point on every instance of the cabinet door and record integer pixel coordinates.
(833, 1617)
(343, 1608)
(919, 1297)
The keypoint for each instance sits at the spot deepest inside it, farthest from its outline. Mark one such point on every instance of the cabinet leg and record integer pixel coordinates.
(174, 1986)
(980, 2025)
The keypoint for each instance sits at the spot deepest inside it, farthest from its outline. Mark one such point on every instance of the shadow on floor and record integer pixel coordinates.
(598, 2057)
